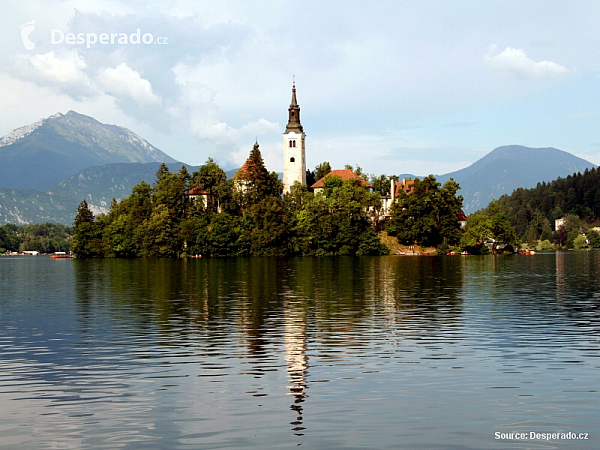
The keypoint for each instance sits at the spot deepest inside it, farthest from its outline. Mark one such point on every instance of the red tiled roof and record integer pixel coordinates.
(407, 186)
(344, 174)
(197, 191)
(462, 216)
(244, 171)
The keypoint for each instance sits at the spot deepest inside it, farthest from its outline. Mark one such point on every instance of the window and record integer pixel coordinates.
(292, 143)
(292, 159)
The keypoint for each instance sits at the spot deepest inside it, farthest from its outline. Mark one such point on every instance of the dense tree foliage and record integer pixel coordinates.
(254, 183)
(248, 216)
(334, 221)
(490, 231)
(44, 238)
(532, 212)
(429, 215)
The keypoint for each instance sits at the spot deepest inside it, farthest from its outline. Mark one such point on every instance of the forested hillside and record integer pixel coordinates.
(44, 238)
(533, 211)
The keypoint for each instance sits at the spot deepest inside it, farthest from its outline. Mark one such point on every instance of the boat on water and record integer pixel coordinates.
(61, 255)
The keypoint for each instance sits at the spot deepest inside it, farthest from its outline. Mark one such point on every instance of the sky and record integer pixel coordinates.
(391, 86)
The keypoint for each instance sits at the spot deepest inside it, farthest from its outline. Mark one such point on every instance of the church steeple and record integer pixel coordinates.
(294, 153)
(294, 113)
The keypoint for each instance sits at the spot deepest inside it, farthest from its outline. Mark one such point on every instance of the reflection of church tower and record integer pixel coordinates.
(296, 361)
(294, 158)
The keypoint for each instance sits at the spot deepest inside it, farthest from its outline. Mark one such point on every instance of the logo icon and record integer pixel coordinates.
(26, 30)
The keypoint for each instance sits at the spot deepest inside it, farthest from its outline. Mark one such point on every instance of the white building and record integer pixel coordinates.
(294, 152)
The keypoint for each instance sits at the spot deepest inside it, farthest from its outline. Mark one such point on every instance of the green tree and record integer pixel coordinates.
(269, 236)
(84, 214)
(594, 238)
(502, 230)
(545, 245)
(169, 190)
(580, 242)
(315, 175)
(382, 183)
(212, 179)
(322, 169)
(335, 221)
(194, 230)
(560, 236)
(477, 232)
(429, 215)
(87, 241)
(254, 182)
(158, 235)
(223, 235)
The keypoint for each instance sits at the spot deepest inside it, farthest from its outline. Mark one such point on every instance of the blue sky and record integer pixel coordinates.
(393, 86)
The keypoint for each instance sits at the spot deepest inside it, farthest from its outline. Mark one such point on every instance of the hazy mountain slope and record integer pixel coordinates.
(507, 168)
(97, 185)
(498, 173)
(41, 155)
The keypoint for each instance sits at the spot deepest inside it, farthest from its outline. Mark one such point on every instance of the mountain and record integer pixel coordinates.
(507, 168)
(41, 155)
(98, 185)
(500, 172)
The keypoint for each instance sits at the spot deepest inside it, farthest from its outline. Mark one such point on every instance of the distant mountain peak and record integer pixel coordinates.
(50, 150)
(510, 167)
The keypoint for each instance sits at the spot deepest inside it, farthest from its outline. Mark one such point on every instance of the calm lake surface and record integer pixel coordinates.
(328, 353)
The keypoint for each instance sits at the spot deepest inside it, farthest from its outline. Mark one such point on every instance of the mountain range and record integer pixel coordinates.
(44, 153)
(510, 167)
(53, 164)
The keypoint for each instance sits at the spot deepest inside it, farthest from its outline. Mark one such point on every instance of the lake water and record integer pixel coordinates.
(323, 353)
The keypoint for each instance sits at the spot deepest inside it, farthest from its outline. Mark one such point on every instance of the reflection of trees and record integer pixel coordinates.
(249, 308)
(245, 296)
(560, 275)
(578, 287)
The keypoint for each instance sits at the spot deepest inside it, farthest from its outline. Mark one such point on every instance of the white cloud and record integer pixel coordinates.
(123, 81)
(514, 61)
(197, 105)
(198, 108)
(260, 127)
(271, 152)
(65, 71)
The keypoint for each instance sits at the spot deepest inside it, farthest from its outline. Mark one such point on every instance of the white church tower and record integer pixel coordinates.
(294, 157)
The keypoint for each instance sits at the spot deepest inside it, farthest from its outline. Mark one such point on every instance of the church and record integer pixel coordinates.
(294, 150)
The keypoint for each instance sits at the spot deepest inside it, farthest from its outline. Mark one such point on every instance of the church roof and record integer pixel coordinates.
(294, 114)
(344, 174)
(244, 171)
(197, 191)
(407, 186)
